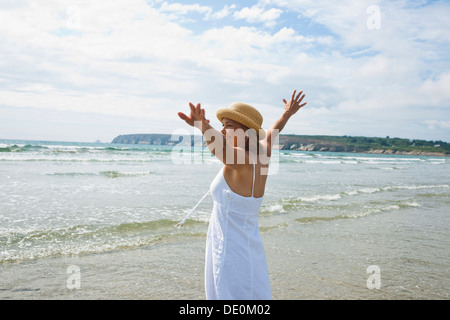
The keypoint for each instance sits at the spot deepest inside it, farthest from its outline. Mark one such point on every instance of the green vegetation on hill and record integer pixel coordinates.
(363, 144)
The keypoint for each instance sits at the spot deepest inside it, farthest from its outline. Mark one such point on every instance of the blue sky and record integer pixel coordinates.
(79, 70)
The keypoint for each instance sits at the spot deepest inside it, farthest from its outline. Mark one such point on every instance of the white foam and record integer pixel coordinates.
(415, 187)
(362, 190)
(326, 197)
(274, 208)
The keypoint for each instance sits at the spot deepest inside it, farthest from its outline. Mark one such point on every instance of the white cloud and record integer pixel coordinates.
(226, 11)
(437, 90)
(129, 58)
(179, 12)
(185, 8)
(247, 42)
(437, 124)
(256, 14)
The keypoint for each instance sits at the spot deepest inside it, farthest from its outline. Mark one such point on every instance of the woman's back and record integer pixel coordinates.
(240, 181)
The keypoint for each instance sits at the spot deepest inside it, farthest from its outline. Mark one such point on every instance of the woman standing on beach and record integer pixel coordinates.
(235, 262)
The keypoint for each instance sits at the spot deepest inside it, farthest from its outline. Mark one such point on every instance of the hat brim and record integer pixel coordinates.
(242, 119)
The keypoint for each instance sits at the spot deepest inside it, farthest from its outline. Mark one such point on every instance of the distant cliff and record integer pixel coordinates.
(158, 139)
(315, 143)
(154, 139)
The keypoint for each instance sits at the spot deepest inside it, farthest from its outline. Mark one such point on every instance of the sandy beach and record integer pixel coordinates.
(94, 221)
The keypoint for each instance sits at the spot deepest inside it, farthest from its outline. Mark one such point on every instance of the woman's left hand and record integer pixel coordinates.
(294, 104)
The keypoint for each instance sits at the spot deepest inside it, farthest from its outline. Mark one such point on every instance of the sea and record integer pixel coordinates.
(96, 221)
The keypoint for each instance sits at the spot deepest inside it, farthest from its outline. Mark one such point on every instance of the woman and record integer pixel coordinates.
(235, 262)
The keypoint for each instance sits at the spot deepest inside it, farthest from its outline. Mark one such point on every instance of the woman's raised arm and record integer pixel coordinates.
(215, 140)
(290, 108)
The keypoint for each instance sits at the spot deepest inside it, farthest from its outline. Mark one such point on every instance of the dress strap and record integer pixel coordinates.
(253, 182)
(180, 224)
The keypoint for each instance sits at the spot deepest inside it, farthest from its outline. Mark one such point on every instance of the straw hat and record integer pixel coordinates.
(244, 114)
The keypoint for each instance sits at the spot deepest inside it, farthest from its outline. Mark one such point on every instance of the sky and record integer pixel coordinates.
(82, 70)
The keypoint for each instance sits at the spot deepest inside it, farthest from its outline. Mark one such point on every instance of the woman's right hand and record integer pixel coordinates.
(197, 115)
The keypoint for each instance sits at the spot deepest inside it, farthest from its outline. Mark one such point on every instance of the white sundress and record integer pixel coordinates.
(235, 261)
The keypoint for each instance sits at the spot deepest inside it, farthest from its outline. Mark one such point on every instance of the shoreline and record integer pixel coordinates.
(313, 148)
(174, 270)
(409, 153)
(288, 145)
(350, 144)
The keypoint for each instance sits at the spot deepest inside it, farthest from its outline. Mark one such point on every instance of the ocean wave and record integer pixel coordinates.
(19, 245)
(109, 174)
(118, 174)
(360, 213)
(417, 187)
(319, 197)
(83, 160)
(370, 190)
(345, 200)
(20, 148)
(272, 208)
(395, 161)
(83, 153)
(80, 147)
(72, 174)
(79, 152)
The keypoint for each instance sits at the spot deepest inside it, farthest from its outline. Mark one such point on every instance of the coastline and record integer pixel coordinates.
(312, 147)
(173, 270)
(408, 153)
(371, 145)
